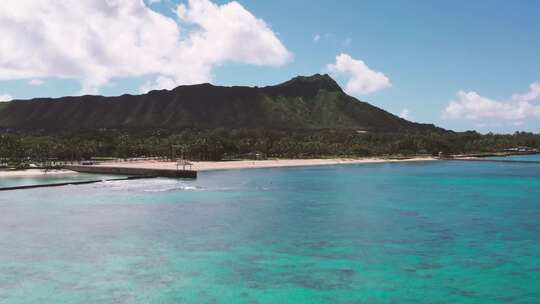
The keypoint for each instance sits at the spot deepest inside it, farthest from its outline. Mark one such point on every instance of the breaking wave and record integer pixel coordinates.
(150, 185)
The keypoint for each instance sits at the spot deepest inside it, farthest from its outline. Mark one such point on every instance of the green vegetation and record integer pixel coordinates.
(305, 117)
(218, 144)
(303, 103)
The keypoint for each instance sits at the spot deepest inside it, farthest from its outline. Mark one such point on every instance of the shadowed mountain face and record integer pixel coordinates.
(302, 103)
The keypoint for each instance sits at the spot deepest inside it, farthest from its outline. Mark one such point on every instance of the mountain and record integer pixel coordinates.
(302, 103)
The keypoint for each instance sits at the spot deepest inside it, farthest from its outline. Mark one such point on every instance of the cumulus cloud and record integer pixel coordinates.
(5, 97)
(95, 41)
(473, 106)
(405, 114)
(533, 94)
(161, 82)
(362, 80)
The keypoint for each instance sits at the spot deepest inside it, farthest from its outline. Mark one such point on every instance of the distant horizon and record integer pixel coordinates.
(461, 66)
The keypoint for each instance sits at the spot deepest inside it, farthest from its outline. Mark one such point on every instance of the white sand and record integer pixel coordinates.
(246, 164)
(222, 165)
(33, 172)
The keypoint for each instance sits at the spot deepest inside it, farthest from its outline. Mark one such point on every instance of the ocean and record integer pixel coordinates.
(428, 232)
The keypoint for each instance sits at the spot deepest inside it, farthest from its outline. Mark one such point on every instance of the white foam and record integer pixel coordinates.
(149, 185)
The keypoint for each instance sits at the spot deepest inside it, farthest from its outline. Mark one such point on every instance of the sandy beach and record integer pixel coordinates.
(222, 165)
(32, 172)
(248, 164)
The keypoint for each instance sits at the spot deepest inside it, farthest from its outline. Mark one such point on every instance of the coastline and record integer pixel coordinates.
(33, 172)
(282, 163)
(203, 166)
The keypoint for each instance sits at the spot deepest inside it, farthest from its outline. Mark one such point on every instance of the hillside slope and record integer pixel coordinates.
(302, 103)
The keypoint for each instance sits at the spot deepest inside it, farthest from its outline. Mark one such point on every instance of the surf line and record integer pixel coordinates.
(75, 183)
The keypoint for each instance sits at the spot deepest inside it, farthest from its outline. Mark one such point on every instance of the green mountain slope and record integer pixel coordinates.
(302, 103)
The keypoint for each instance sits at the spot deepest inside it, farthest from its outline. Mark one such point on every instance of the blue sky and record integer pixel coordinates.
(428, 51)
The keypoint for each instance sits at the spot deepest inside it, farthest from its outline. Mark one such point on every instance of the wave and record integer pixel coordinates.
(150, 185)
(170, 189)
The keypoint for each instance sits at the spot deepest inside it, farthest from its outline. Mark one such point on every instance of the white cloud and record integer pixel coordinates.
(491, 124)
(362, 80)
(95, 41)
(5, 97)
(472, 106)
(229, 32)
(405, 114)
(533, 94)
(161, 82)
(36, 82)
(325, 37)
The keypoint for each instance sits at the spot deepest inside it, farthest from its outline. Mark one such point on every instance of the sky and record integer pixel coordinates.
(462, 65)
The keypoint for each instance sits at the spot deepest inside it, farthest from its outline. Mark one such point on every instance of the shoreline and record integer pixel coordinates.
(290, 163)
(33, 172)
(205, 166)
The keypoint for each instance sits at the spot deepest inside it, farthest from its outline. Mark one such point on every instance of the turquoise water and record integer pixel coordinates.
(437, 232)
(534, 157)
